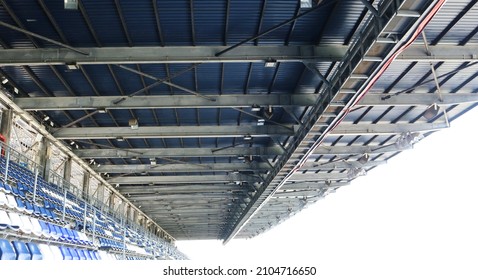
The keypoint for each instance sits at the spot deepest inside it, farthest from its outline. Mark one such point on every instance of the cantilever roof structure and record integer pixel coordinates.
(220, 119)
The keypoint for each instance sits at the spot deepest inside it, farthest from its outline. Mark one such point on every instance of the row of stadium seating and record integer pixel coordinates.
(32, 209)
(18, 250)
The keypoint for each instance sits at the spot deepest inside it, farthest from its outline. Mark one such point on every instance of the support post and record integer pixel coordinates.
(43, 158)
(6, 125)
(86, 186)
(111, 202)
(67, 170)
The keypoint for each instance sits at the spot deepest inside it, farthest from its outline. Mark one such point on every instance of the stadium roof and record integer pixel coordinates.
(221, 119)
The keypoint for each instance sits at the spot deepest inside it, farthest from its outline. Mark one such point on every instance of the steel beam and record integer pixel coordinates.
(194, 188)
(233, 131)
(206, 54)
(176, 54)
(230, 101)
(385, 129)
(318, 177)
(79, 133)
(418, 99)
(438, 53)
(178, 152)
(311, 186)
(297, 194)
(180, 167)
(214, 179)
(200, 152)
(186, 196)
(163, 101)
(340, 165)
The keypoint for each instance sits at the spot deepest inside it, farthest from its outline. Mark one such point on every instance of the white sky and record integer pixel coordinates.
(413, 218)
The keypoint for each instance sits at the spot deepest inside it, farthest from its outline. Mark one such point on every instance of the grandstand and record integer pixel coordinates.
(127, 125)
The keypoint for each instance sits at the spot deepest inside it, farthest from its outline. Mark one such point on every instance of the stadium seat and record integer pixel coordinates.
(11, 201)
(15, 221)
(35, 251)
(2, 187)
(20, 205)
(3, 199)
(27, 226)
(64, 234)
(46, 252)
(22, 250)
(36, 227)
(4, 220)
(57, 254)
(28, 207)
(55, 231)
(6, 250)
(65, 253)
(36, 210)
(74, 254)
(83, 255)
(45, 228)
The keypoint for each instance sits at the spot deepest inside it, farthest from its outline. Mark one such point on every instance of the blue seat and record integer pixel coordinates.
(54, 231)
(95, 255)
(74, 254)
(64, 234)
(22, 250)
(83, 255)
(28, 207)
(6, 250)
(89, 254)
(36, 210)
(43, 212)
(35, 251)
(65, 253)
(20, 205)
(45, 228)
(3, 188)
(4, 220)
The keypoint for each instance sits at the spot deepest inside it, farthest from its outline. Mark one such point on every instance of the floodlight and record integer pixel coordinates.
(247, 137)
(255, 108)
(364, 159)
(270, 63)
(133, 123)
(431, 112)
(71, 4)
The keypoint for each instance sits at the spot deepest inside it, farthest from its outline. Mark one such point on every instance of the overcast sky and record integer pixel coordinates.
(414, 218)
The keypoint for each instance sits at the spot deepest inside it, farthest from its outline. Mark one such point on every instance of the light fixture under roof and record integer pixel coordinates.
(72, 66)
(270, 63)
(153, 161)
(71, 4)
(4, 80)
(120, 138)
(431, 112)
(255, 108)
(305, 4)
(355, 172)
(102, 110)
(406, 140)
(247, 137)
(133, 123)
(135, 158)
(261, 122)
(364, 159)
(268, 112)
